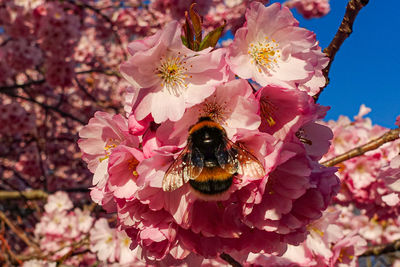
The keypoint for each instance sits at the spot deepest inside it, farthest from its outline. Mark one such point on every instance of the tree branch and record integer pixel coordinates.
(344, 31)
(45, 106)
(6, 247)
(27, 195)
(382, 249)
(82, 243)
(228, 258)
(20, 233)
(7, 88)
(102, 104)
(389, 136)
(37, 194)
(108, 72)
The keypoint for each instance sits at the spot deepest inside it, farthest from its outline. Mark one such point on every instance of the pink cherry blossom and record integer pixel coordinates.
(111, 245)
(138, 127)
(122, 171)
(346, 250)
(58, 202)
(103, 133)
(173, 76)
(84, 220)
(272, 50)
(284, 111)
(391, 174)
(103, 241)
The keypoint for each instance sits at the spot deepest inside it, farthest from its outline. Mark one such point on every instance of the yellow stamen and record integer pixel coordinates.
(218, 112)
(264, 54)
(132, 164)
(172, 71)
(268, 110)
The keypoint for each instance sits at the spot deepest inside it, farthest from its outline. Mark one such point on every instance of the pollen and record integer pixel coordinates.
(344, 255)
(268, 111)
(264, 54)
(173, 74)
(132, 164)
(109, 239)
(127, 242)
(110, 145)
(217, 111)
(318, 231)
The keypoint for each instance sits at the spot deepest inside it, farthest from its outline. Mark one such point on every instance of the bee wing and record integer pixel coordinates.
(227, 157)
(188, 165)
(248, 164)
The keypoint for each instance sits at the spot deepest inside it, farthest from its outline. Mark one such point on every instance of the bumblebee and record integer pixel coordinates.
(210, 161)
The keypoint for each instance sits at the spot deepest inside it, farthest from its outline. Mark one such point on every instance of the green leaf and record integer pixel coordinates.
(184, 41)
(212, 37)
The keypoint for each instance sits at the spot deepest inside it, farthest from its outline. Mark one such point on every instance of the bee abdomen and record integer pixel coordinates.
(212, 186)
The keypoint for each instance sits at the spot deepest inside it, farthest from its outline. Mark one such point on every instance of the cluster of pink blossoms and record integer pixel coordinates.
(58, 32)
(62, 231)
(368, 181)
(60, 228)
(15, 119)
(331, 242)
(172, 87)
(310, 8)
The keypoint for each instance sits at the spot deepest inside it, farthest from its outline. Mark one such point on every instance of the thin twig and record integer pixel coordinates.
(108, 72)
(228, 258)
(382, 249)
(20, 233)
(74, 247)
(21, 178)
(102, 104)
(8, 249)
(37, 194)
(7, 88)
(344, 31)
(45, 106)
(84, 242)
(389, 136)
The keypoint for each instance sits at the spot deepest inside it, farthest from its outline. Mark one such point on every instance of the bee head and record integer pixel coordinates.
(207, 137)
(206, 134)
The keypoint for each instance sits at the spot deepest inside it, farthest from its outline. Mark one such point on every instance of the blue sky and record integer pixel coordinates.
(366, 69)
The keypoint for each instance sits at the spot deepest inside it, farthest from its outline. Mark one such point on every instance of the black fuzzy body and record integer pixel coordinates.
(209, 152)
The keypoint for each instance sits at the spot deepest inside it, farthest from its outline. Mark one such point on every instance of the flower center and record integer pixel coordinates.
(132, 164)
(127, 241)
(268, 110)
(344, 255)
(317, 231)
(264, 53)
(111, 144)
(216, 111)
(172, 71)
